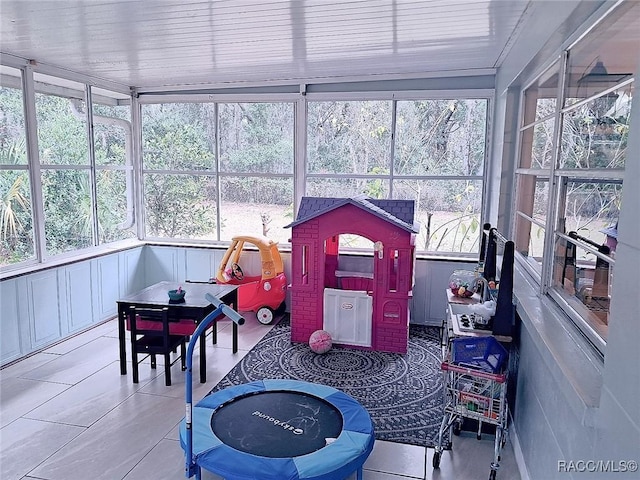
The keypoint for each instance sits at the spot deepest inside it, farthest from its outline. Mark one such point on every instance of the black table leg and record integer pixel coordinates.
(122, 342)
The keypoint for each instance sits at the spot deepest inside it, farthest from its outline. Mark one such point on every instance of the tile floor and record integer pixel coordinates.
(66, 413)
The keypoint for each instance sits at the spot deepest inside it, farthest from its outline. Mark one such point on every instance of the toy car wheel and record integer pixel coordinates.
(265, 315)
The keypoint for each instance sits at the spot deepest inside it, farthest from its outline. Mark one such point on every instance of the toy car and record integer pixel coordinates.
(263, 294)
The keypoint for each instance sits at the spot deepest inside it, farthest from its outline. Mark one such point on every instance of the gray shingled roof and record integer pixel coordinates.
(398, 212)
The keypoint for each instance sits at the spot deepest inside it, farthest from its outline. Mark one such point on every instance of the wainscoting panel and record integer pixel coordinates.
(44, 308)
(10, 344)
(162, 263)
(108, 273)
(201, 264)
(77, 288)
(132, 271)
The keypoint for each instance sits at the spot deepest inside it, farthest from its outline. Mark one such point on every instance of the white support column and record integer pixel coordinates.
(33, 157)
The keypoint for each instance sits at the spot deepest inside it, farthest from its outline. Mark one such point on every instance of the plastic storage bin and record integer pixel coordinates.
(484, 353)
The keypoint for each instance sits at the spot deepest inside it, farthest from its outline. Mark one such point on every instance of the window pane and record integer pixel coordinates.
(17, 220)
(67, 210)
(13, 149)
(256, 137)
(347, 187)
(606, 56)
(595, 134)
(178, 136)
(349, 137)
(440, 137)
(448, 212)
(256, 206)
(537, 145)
(589, 207)
(534, 197)
(114, 223)
(584, 281)
(112, 134)
(16, 217)
(530, 241)
(180, 206)
(62, 131)
(540, 99)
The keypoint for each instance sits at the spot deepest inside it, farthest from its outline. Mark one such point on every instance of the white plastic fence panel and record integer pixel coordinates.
(348, 316)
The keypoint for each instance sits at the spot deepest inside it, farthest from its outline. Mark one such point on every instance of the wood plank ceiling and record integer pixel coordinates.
(153, 44)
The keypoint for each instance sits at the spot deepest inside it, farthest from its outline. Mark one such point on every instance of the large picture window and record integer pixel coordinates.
(214, 171)
(429, 151)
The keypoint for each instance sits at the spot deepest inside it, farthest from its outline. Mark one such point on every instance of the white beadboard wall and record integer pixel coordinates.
(41, 308)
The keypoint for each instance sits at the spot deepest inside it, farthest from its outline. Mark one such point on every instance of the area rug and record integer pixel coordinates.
(402, 393)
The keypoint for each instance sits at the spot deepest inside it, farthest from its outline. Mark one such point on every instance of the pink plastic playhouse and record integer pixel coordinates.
(367, 309)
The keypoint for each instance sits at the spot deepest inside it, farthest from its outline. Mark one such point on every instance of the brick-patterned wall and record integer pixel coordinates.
(392, 339)
(306, 300)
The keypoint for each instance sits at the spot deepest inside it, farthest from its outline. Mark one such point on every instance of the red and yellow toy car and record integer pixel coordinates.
(263, 294)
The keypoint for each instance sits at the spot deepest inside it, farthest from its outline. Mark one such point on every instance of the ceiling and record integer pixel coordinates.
(152, 44)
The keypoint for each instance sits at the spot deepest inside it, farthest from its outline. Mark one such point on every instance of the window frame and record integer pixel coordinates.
(558, 178)
(394, 97)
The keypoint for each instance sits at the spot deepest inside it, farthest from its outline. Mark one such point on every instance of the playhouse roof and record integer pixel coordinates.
(398, 212)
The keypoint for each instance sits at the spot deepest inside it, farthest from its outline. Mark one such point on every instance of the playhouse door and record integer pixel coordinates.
(348, 316)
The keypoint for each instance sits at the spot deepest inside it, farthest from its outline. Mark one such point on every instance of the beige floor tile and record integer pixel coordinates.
(397, 458)
(87, 401)
(82, 338)
(471, 459)
(20, 396)
(26, 443)
(113, 446)
(79, 363)
(164, 462)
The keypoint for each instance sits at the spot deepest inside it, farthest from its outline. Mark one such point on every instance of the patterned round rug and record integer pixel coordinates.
(402, 393)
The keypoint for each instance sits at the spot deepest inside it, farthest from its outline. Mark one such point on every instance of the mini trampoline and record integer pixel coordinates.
(277, 430)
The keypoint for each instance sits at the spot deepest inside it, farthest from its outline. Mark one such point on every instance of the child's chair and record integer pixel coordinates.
(150, 335)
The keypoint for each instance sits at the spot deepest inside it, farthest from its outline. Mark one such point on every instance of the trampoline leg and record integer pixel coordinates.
(359, 474)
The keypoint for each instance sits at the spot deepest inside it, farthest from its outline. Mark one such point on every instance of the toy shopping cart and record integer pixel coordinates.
(474, 388)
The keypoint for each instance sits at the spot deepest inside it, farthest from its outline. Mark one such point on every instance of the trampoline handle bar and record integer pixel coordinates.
(228, 311)
(191, 468)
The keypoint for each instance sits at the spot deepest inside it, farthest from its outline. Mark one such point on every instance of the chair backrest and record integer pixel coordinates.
(149, 321)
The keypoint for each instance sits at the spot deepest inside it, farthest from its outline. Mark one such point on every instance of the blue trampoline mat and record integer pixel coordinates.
(280, 430)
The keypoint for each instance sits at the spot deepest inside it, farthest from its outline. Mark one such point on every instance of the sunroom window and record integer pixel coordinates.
(427, 150)
(569, 181)
(16, 218)
(216, 170)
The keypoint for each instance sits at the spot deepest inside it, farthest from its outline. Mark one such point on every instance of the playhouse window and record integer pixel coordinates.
(392, 263)
(304, 264)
